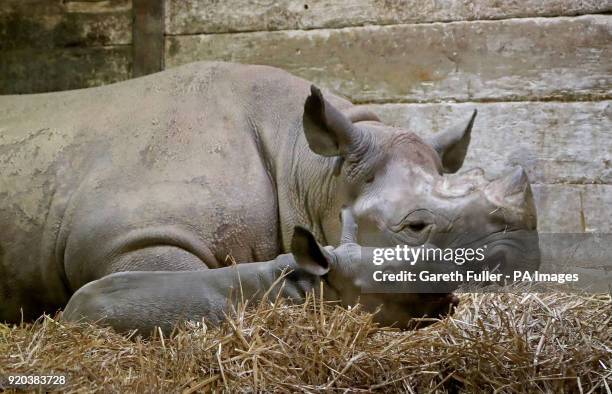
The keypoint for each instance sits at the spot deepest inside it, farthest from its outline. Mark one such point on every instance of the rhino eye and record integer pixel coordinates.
(370, 179)
(417, 226)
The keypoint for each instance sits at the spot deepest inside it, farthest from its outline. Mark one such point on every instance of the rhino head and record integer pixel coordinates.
(406, 190)
(346, 272)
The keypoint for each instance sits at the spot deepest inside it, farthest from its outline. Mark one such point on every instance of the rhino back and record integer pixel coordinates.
(175, 147)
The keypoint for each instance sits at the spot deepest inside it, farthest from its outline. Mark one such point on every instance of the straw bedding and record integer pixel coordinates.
(510, 342)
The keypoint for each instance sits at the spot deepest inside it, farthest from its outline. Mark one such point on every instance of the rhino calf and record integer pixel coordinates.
(147, 300)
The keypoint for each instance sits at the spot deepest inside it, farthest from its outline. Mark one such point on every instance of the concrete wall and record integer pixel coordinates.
(48, 45)
(539, 72)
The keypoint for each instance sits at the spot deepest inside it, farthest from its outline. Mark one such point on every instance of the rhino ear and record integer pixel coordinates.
(328, 131)
(452, 144)
(308, 254)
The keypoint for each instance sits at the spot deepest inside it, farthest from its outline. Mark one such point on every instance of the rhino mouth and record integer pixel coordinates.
(440, 302)
(435, 306)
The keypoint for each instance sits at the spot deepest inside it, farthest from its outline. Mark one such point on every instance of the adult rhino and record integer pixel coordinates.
(177, 170)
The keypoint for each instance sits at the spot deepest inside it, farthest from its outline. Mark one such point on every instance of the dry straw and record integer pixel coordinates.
(522, 342)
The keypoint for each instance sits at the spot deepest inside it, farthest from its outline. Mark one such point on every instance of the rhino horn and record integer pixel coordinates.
(328, 131)
(349, 226)
(514, 182)
(452, 144)
(513, 193)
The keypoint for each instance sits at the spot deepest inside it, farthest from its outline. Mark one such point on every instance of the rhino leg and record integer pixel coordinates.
(93, 253)
(157, 258)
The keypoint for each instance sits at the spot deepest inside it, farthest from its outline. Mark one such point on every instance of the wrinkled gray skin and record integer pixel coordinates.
(177, 170)
(138, 300)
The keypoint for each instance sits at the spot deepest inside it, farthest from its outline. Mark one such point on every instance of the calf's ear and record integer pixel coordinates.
(452, 144)
(328, 131)
(308, 254)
